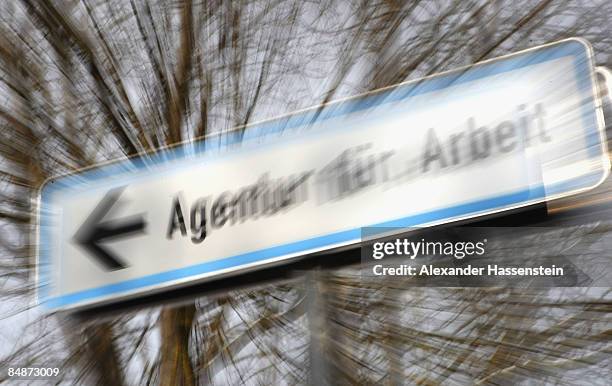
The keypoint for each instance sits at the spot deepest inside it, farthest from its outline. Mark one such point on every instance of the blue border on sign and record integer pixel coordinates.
(97, 176)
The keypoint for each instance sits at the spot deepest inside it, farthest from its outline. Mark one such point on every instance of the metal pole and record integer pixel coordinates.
(315, 310)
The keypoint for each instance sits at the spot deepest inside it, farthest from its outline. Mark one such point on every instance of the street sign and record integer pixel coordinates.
(504, 133)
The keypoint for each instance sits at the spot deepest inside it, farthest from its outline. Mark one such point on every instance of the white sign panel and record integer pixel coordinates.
(501, 134)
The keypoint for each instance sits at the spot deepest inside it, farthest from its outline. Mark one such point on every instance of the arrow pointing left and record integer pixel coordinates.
(94, 231)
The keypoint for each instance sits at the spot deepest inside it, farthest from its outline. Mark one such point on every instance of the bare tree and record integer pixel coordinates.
(88, 81)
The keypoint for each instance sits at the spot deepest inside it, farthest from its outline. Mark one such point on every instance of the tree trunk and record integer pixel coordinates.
(176, 367)
(103, 355)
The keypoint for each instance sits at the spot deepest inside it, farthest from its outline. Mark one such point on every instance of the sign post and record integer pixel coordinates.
(498, 135)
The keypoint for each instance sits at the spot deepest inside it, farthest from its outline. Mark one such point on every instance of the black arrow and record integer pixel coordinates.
(93, 231)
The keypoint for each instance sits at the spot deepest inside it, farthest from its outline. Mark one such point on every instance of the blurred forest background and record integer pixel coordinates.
(82, 82)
